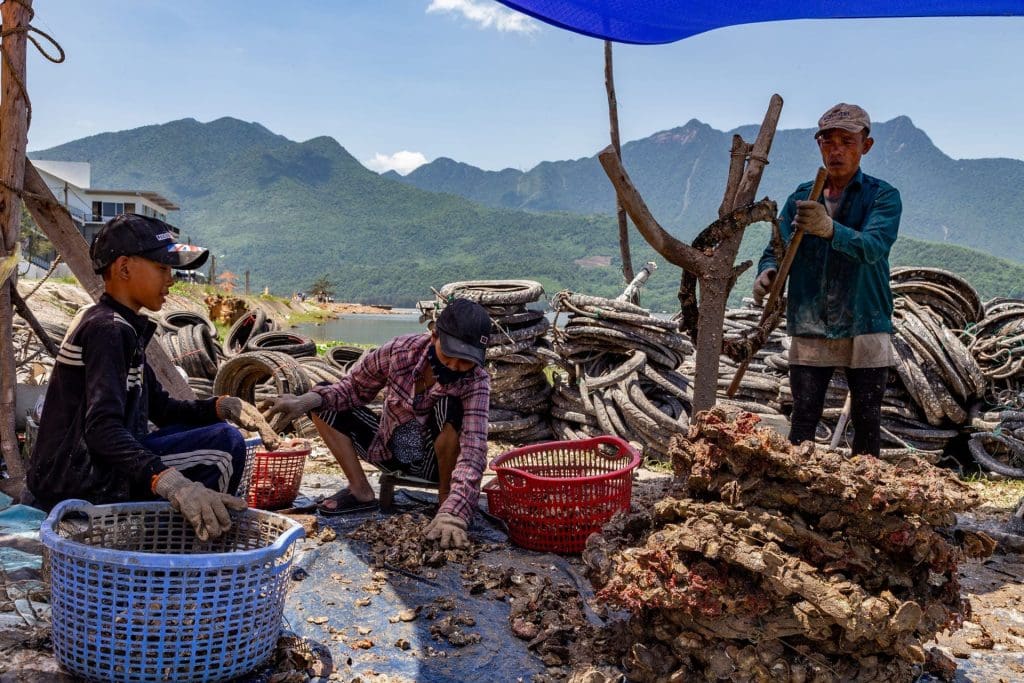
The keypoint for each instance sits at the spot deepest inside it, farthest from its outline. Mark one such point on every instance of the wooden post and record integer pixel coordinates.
(620, 211)
(213, 272)
(713, 266)
(56, 224)
(247, 283)
(13, 139)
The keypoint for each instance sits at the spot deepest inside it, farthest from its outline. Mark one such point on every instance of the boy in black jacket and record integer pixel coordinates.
(94, 440)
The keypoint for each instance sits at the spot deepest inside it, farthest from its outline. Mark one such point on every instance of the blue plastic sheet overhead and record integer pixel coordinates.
(665, 21)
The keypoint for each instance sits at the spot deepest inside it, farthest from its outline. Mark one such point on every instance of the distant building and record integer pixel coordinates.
(70, 182)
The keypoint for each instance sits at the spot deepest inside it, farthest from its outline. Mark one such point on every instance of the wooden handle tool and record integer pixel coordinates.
(779, 283)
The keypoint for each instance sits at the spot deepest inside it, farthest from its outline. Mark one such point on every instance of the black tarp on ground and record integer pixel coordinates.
(499, 656)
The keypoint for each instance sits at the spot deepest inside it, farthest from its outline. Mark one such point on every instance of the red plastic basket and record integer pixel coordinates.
(553, 495)
(276, 475)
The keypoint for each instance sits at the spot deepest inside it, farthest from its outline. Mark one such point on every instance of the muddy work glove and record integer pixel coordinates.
(206, 510)
(763, 285)
(246, 416)
(448, 529)
(812, 217)
(287, 408)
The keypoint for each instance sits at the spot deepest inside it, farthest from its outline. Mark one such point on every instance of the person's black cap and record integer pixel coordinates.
(463, 328)
(129, 234)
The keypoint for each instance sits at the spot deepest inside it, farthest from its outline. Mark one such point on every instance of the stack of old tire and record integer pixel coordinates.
(620, 378)
(190, 339)
(520, 389)
(935, 383)
(998, 445)
(271, 363)
(760, 389)
(935, 367)
(995, 342)
(247, 326)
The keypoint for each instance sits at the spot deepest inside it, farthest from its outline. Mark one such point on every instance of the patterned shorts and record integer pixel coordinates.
(411, 446)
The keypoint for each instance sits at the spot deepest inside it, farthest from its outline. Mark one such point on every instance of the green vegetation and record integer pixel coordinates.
(65, 279)
(306, 317)
(323, 347)
(681, 175)
(288, 211)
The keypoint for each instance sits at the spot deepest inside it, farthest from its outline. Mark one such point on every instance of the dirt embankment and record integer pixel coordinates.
(58, 301)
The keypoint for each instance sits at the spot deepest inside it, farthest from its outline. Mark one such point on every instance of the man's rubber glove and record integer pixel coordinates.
(287, 408)
(762, 285)
(449, 529)
(246, 416)
(205, 510)
(812, 217)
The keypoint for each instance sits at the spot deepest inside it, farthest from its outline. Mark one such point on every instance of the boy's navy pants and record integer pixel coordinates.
(213, 455)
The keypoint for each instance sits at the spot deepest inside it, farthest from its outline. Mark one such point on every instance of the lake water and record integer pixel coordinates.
(370, 328)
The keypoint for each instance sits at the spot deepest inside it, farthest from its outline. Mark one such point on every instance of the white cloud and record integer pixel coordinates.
(487, 14)
(403, 162)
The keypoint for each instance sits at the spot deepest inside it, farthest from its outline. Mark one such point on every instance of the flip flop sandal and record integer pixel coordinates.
(345, 503)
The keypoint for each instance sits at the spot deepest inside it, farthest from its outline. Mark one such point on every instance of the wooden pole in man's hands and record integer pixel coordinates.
(779, 283)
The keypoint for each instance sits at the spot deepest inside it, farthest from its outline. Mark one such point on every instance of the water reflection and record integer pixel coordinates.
(372, 328)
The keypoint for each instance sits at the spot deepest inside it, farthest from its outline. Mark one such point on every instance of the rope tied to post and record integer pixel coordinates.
(28, 31)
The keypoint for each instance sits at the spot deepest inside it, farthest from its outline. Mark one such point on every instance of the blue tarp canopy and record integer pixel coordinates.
(665, 21)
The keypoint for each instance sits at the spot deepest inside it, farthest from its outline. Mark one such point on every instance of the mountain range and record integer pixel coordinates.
(680, 173)
(292, 211)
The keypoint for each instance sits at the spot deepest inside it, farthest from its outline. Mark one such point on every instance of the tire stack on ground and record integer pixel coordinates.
(249, 325)
(520, 391)
(254, 376)
(931, 391)
(190, 340)
(996, 342)
(932, 307)
(999, 445)
(620, 363)
(770, 562)
(760, 389)
(344, 357)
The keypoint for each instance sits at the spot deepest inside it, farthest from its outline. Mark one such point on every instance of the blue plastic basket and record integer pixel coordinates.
(137, 597)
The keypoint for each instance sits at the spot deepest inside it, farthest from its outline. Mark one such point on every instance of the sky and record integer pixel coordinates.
(402, 82)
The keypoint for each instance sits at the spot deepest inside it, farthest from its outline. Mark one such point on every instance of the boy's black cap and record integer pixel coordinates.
(463, 328)
(129, 234)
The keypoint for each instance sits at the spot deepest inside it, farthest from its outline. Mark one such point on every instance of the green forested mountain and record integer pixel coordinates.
(291, 212)
(681, 174)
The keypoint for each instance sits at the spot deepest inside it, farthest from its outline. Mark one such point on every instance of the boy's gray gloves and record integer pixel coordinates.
(246, 416)
(448, 529)
(286, 408)
(205, 510)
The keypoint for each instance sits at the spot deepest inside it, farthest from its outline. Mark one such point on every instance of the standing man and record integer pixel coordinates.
(433, 424)
(839, 308)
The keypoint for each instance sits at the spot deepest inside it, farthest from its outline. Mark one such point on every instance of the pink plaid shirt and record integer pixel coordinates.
(394, 367)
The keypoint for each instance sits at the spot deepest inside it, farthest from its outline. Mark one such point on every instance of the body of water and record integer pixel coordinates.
(372, 328)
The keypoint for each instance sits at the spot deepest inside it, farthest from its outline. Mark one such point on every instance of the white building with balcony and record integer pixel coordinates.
(71, 183)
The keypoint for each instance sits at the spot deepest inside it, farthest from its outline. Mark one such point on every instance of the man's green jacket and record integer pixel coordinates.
(839, 288)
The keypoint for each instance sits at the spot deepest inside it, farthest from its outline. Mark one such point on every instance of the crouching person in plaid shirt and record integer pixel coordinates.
(434, 420)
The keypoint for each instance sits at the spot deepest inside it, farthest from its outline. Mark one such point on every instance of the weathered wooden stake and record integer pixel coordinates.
(714, 267)
(15, 17)
(613, 118)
